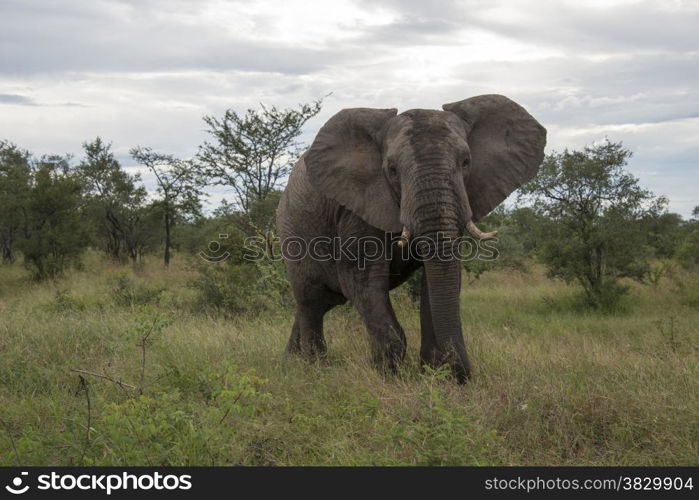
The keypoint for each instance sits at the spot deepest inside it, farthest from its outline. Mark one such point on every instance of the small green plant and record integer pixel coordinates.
(64, 301)
(656, 271)
(413, 286)
(435, 431)
(166, 428)
(150, 429)
(237, 393)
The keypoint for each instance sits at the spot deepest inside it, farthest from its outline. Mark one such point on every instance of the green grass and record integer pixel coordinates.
(553, 384)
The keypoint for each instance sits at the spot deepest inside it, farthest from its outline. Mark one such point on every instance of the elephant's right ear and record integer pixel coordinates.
(345, 163)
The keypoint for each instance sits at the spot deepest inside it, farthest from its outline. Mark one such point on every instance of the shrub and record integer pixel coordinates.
(64, 301)
(242, 288)
(596, 210)
(125, 292)
(608, 296)
(687, 252)
(167, 429)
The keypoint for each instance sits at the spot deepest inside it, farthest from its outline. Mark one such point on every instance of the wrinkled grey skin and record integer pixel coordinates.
(370, 172)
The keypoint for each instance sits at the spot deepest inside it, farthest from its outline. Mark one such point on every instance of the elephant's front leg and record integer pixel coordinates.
(386, 336)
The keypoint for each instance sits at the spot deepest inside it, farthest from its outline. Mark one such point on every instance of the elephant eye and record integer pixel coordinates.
(392, 170)
(466, 162)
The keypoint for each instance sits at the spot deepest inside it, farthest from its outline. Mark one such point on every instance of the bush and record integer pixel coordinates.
(608, 296)
(687, 252)
(56, 235)
(242, 288)
(64, 301)
(167, 429)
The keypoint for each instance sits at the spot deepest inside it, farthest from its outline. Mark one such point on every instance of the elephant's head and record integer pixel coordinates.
(425, 172)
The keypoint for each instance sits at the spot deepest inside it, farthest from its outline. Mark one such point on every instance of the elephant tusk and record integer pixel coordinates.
(477, 233)
(404, 236)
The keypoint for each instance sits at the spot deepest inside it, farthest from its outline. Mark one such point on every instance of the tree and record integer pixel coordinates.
(115, 199)
(139, 228)
(253, 153)
(664, 232)
(15, 183)
(179, 188)
(508, 251)
(688, 250)
(55, 234)
(596, 209)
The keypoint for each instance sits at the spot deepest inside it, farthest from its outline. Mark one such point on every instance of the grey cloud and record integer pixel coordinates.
(635, 27)
(436, 9)
(411, 31)
(28, 101)
(150, 73)
(125, 38)
(575, 90)
(16, 99)
(241, 56)
(552, 24)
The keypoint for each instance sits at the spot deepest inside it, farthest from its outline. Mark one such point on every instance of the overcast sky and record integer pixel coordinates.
(145, 72)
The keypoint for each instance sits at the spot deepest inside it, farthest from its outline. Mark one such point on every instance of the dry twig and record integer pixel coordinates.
(121, 384)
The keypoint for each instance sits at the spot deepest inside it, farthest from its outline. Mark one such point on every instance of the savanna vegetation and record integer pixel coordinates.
(134, 330)
(554, 382)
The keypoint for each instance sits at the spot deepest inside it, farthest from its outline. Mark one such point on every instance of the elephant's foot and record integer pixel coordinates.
(311, 352)
(307, 340)
(388, 352)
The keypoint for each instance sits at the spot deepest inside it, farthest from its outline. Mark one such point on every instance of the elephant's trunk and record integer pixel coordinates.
(436, 214)
(444, 284)
(434, 209)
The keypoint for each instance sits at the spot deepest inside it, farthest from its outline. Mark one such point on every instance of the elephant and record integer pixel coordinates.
(402, 180)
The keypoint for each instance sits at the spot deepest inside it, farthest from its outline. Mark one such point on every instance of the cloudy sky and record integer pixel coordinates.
(145, 72)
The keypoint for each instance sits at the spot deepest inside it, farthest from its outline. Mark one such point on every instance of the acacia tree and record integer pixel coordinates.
(115, 198)
(253, 153)
(596, 209)
(55, 234)
(179, 188)
(15, 183)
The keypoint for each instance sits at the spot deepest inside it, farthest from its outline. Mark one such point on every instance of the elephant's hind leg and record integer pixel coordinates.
(294, 344)
(307, 338)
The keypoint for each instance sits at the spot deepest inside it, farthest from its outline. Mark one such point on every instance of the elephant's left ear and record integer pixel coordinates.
(507, 148)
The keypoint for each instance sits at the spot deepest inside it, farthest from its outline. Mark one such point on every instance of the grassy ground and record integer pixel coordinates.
(553, 384)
